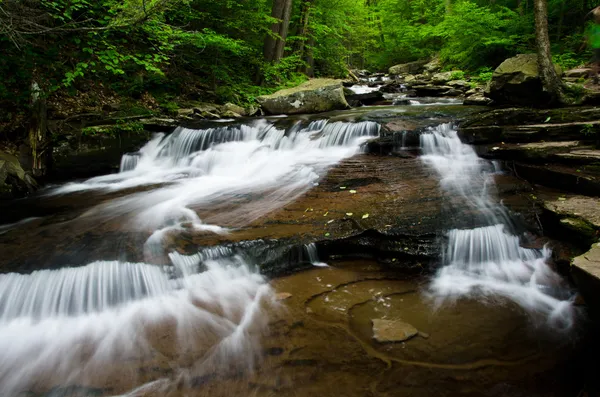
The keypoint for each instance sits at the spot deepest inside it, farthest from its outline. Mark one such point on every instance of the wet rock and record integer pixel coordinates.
(517, 81)
(525, 125)
(368, 98)
(431, 90)
(392, 330)
(562, 177)
(314, 96)
(392, 86)
(407, 68)
(477, 100)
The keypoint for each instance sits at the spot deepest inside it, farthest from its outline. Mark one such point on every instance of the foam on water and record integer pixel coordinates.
(69, 341)
(487, 260)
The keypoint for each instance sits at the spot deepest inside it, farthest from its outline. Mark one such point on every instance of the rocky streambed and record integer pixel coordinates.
(349, 188)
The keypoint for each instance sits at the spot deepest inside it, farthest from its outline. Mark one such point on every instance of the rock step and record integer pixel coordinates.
(583, 130)
(572, 179)
(577, 214)
(585, 270)
(573, 153)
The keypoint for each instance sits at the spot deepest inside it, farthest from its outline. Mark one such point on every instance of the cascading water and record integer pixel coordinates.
(75, 325)
(313, 255)
(486, 260)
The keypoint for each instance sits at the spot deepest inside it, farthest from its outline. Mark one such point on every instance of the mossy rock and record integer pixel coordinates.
(314, 96)
(517, 81)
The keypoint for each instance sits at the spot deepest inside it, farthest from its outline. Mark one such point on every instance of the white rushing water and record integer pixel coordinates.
(76, 325)
(313, 255)
(487, 260)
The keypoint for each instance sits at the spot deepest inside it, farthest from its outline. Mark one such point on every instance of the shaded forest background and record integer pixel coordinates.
(160, 51)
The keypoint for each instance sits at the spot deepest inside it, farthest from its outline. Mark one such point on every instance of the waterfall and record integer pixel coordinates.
(72, 324)
(128, 162)
(487, 260)
(313, 256)
(51, 320)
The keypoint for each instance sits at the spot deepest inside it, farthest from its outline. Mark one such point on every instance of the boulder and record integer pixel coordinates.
(517, 81)
(314, 96)
(14, 181)
(407, 68)
(477, 100)
(442, 78)
(230, 107)
(431, 90)
(432, 66)
(367, 98)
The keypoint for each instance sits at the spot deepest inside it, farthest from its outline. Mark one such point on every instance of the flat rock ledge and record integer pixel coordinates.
(385, 331)
(579, 214)
(585, 270)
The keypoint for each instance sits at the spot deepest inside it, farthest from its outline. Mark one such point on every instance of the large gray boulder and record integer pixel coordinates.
(517, 81)
(14, 181)
(408, 68)
(314, 96)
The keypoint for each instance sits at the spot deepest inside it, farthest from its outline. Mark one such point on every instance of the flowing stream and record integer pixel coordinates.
(170, 319)
(68, 326)
(487, 260)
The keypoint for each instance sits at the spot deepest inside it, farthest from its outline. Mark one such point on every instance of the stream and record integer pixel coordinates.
(254, 258)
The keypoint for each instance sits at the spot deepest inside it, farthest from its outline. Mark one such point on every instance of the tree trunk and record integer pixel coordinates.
(305, 9)
(37, 131)
(309, 59)
(561, 20)
(283, 31)
(550, 80)
(303, 34)
(275, 42)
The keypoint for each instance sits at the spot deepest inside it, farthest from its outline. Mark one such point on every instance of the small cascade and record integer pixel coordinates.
(72, 325)
(75, 291)
(129, 162)
(487, 260)
(313, 255)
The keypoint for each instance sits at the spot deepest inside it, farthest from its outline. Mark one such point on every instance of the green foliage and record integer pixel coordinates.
(568, 60)
(457, 75)
(213, 50)
(483, 75)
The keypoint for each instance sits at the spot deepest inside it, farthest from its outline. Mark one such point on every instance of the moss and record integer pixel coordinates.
(580, 227)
